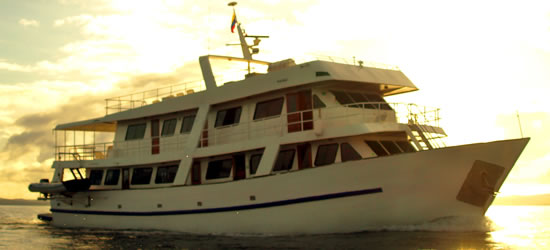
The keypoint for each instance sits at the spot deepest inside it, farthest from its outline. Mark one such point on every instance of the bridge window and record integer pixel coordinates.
(135, 131)
(342, 97)
(406, 146)
(284, 160)
(96, 176)
(391, 147)
(166, 174)
(187, 124)
(268, 108)
(141, 176)
(377, 148)
(168, 127)
(228, 116)
(326, 154)
(112, 176)
(348, 153)
(219, 169)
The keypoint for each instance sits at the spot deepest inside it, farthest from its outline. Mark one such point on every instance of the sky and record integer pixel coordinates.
(483, 63)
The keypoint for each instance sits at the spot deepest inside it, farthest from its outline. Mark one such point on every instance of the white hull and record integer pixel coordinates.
(401, 189)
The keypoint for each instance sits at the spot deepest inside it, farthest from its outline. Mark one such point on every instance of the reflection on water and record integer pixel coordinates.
(507, 227)
(521, 226)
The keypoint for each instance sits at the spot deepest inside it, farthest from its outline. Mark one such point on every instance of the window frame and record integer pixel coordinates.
(185, 118)
(224, 171)
(132, 129)
(94, 179)
(279, 165)
(355, 156)
(325, 154)
(236, 118)
(169, 130)
(109, 177)
(170, 174)
(266, 105)
(140, 180)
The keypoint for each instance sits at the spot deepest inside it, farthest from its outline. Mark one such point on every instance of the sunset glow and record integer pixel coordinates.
(482, 63)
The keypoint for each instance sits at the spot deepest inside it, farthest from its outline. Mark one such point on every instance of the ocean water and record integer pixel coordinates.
(505, 227)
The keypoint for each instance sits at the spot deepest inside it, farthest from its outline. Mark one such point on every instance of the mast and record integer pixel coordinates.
(248, 50)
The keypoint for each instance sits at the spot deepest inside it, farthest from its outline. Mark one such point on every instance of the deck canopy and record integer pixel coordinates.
(96, 124)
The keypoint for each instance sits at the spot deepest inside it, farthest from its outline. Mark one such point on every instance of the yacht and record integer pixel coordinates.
(300, 148)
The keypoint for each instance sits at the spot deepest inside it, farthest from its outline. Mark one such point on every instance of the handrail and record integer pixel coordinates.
(363, 112)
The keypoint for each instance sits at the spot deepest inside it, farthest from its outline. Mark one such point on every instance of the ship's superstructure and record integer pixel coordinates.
(303, 148)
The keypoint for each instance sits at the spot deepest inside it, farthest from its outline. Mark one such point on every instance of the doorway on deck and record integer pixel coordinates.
(240, 170)
(155, 140)
(299, 111)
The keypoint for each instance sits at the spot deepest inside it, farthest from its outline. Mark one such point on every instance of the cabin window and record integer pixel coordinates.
(228, 116)
(406, 146)
(348, 153)
(284, 160)
(377, 148)
(135, 131)
(187, 124)
(342, 97)
(219, 169)
(326, 154)
(166, 174)
(141, 176)
(268, 108)
(168, 127)
(255, 162)
(96, 176)
(112, 176)
(317, 103)
(391, 147)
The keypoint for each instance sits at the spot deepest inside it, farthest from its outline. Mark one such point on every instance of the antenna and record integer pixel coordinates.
(248, 50)
(519, 122)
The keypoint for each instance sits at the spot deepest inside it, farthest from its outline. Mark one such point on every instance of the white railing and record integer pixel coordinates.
(354, 113)
(136, 100)
(118, 149)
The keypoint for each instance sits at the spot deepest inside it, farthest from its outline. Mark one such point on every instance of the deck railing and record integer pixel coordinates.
(354, 113)
(136, 100)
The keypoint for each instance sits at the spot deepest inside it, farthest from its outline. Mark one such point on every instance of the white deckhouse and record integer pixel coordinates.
(304, 148)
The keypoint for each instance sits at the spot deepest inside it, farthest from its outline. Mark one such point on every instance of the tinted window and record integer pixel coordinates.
(348, 153)
(112, 176)
(342, 97)
(135, 131)
(284, 160)
(169, 127)
(326, 154)
(376, 98)
(317, 103)
(228, 116)
(268, 108)
(405, 146)
(187, 124)
(141, 176)
(377, 148)
(166, 174)
(255, 162)
(219, 169)
(391, 147)
(96, 176)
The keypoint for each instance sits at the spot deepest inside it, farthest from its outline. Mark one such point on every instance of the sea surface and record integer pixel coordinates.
(505, 227)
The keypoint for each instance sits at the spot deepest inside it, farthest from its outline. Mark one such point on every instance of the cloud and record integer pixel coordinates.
(29, 22)
(14, 67)
(73, 20)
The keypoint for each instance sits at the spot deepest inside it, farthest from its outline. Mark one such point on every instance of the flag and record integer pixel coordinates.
(233, 22)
